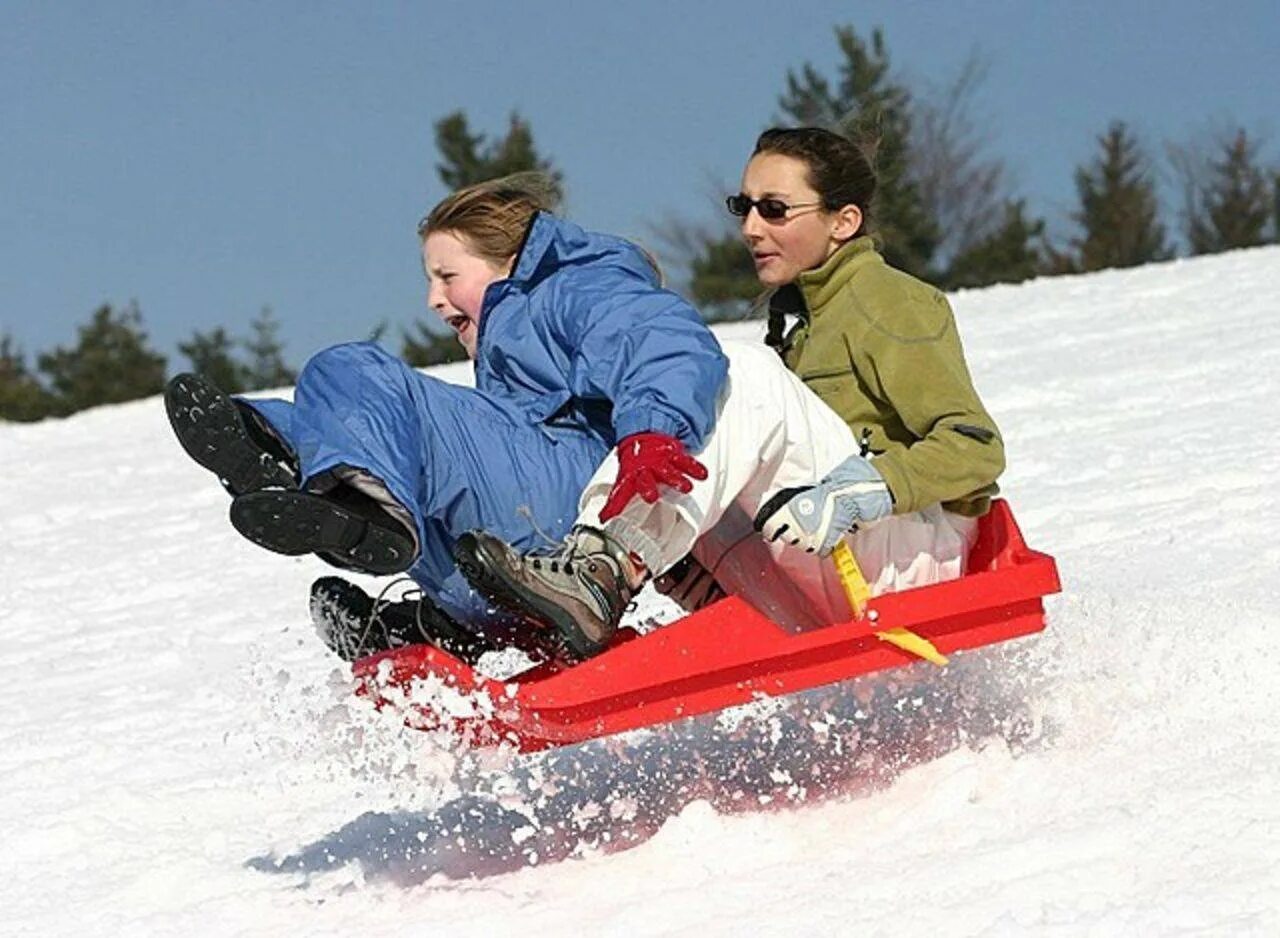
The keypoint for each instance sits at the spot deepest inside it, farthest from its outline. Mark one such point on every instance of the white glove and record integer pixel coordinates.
(816, 517)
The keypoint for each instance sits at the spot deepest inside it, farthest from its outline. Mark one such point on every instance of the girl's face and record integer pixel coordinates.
(806, 236)
(456, 281)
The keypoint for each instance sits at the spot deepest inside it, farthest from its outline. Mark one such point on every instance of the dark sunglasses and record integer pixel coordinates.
(769, 209)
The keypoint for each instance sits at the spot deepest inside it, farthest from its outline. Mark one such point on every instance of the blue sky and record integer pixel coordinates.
(207, 159)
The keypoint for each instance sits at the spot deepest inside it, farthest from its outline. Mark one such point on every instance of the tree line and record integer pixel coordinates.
(112, 362)
(945, 211)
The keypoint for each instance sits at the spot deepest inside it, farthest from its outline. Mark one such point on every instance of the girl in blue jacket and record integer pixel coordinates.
(378, 468)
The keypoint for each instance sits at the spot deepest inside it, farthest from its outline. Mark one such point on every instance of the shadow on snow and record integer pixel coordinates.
(849, 740)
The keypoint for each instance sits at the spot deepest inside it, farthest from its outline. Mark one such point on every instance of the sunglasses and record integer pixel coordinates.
(769, 209)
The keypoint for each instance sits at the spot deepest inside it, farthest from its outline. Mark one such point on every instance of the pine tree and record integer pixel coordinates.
(1235, 201)
(428, 347)
(110, 363)
(466, 158)
(211, 354)
(1008, 255)
(869, 107)
(22, 398)
(722, 278)
(265, 367)
(1275, 208)
(1118, 207)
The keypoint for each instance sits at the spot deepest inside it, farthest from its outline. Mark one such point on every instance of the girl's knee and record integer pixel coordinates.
(347, 357)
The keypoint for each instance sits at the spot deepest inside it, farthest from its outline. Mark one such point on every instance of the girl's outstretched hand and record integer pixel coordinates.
(645, 461)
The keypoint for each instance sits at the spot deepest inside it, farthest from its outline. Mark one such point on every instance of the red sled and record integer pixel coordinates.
(721, 656)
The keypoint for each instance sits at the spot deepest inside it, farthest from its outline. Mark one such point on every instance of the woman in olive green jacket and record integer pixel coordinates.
(877, 344)
(881, 349)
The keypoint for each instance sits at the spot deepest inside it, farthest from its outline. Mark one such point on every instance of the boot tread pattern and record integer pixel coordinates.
(210, 430)
(295, 523)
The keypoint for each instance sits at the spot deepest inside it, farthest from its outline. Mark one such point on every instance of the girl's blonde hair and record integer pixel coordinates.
(493, 216)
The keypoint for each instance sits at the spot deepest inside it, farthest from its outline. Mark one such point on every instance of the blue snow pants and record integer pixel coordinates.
(455, 458)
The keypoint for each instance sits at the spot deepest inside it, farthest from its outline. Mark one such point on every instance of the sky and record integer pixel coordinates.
(209, 159)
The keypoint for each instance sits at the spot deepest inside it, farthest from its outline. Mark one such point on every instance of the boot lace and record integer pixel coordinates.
(551, 554)
(375, 620)
(561, 554)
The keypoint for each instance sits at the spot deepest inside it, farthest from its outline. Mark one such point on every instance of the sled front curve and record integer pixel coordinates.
(721, 656)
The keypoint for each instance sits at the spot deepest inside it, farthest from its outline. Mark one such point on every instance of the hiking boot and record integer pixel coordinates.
(227, 438)
(579, 591)
(354, 625)
(293, 523)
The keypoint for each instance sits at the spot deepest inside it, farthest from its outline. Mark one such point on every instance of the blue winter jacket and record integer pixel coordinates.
(582, 331)
(577, 349)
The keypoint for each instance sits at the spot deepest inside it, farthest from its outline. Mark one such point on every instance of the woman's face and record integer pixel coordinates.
(456, 281)
(807, 236)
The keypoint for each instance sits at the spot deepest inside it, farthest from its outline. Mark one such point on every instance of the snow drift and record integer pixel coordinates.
(180, 755)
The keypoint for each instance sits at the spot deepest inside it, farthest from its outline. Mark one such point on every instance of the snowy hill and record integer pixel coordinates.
(180, 756)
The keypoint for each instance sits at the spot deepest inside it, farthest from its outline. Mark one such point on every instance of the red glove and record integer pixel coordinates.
(646, 460)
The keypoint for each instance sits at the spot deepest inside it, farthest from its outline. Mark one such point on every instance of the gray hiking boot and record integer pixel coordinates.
(579, 590)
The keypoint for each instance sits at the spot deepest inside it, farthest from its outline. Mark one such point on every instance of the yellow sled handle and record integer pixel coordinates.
(855, 584)
(859, 593)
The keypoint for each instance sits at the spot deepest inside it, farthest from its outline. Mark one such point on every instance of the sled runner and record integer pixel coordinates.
(721, 656)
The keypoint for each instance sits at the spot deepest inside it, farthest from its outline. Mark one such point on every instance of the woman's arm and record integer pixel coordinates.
(915, 361)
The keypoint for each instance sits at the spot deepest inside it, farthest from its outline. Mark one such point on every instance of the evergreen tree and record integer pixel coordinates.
(870, 107)
(722, 278)
(466, 158)
(1235, 201)
(211, 354)
(428, 347)
(22, 398)
(1275, 208)
(1118, 207)
(265, 367)
(1008, 255)
(110, 363)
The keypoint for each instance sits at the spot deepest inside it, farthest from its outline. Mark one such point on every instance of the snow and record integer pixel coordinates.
(180, 755)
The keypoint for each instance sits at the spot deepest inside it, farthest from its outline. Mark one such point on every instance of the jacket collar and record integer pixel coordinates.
(820, 284)
(536, 245)
(552, 243)
(549, 244)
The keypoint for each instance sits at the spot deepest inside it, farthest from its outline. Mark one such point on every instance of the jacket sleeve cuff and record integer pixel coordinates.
(649, 420)
(898, 481)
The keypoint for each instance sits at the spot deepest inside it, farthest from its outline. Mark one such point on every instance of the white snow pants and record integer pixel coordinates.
(772, 433)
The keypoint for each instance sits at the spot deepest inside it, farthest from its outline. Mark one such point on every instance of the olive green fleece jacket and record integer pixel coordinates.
(881, 348)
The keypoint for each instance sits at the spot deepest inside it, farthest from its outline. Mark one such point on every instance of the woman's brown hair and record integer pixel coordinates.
(838, 169)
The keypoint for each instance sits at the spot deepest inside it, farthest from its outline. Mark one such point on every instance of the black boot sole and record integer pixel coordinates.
(295, 523)
(340, 612)
(209, 427)
(564, 639)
